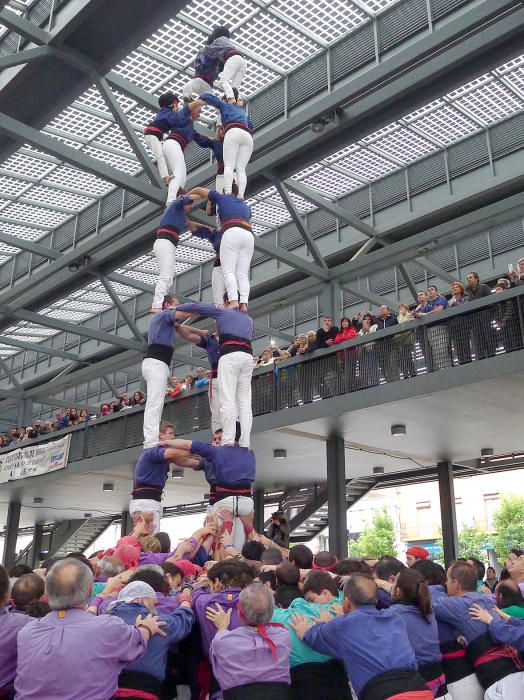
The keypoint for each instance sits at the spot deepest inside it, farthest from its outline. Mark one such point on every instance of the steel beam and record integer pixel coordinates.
(112, 388)
(24, 27)
(128, 131)
(30, 246)
(330, 207)
(11, 394)
(37, 347)
(26, 56)
(12, 376)
(297, 220)
(370, 296)
(36, 549)
(74, 329)
(409, 282)
(18, 131)
(121, 307)
(11, 534)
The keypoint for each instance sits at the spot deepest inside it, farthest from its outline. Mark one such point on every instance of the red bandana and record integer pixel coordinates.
(262, 630)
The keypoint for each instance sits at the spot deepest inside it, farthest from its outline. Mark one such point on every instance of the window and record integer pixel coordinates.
(424, 517)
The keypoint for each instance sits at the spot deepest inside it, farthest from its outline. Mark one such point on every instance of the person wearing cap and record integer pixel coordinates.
(278, 531)
(158, 127)
(147, 674)
(416, 553)
(251, 662)
(70, 653)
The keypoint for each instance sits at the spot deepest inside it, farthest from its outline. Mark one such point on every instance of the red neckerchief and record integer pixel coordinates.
(329, 567)
(262, 630)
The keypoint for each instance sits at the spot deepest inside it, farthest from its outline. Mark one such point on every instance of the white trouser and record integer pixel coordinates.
(165, 253)
(509, 688)
(238, 147)
(177, 165)
(156, 149)
(196, 86)
(236, 251)
(238, 505)
(218, 286)
(233, 74)
(147, 505)
(234, 381)
(213, 393)
(467, 688)
(156, 374)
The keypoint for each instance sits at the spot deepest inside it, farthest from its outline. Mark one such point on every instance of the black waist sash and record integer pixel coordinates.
(164, 353)
(258, 691)
(432, 671)
(222, 491)
(233, 343)
(168, 233)
(150, 492)
(391, 683)
(142, 682)
(153, 130)
(491, 671)
(320, 680)
(455, 662)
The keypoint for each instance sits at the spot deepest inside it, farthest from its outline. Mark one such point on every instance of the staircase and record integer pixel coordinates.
(311, 501)
(68, 536)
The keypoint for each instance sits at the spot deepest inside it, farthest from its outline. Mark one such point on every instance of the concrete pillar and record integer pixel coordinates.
(13, 521)
(336, 487)
(258, 498)
(447, 511)
(38, 537)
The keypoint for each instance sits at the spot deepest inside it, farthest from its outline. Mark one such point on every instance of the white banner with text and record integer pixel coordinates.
(34, 460)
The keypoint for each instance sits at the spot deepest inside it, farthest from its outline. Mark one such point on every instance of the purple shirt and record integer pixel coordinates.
(75, 656)
(241, 656)
(202, 599)
(166, 604)
(10, 624)
(511, 632)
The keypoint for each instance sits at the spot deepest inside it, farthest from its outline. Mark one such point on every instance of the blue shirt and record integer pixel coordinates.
(178, 625)
(230, 207)
(151, 469)
(184, 128)
(162, 329)
(455, 611)
(229, 321)
(166, 119)
(431, 305)
(511, 632)
(231, 114)
(422, 633)
(210, 344)
(226, 465)
(217, 147)
(214, 236)
(446, 633)
(174, 215)
(368, 641)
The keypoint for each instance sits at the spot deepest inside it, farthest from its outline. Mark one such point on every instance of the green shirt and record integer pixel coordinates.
(515, 611)
(97, 588)
(301, 653)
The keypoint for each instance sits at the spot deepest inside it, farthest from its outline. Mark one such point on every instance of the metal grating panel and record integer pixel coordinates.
(427, 173)
(303, 87)
(507, 237)
(473, 249)
(389, 190)
(468, 155)
(353, 52)
(400, 22)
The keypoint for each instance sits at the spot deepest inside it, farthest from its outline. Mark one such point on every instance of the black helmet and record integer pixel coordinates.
(167, 99)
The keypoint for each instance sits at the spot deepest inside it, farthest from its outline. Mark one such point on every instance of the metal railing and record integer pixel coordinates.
(475, 331)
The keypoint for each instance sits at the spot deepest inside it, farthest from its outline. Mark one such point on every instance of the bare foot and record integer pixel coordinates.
(233, 305)
(243, 307)
(167, 179)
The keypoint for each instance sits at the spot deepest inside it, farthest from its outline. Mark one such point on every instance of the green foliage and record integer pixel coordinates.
(377, 539)
(508, 522)
(472, 543)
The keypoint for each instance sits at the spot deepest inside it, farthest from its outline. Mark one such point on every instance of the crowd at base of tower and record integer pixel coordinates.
(207, 620)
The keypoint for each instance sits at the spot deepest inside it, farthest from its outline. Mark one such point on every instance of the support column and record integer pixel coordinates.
(258, 498)
(25, 413)
(38, 537)
(336, 488)
(126, 524)
(447, 511)
(11, 536)
(331, 301)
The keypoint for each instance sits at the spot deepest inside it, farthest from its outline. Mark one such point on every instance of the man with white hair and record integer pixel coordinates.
(252, 661)
(71, 654)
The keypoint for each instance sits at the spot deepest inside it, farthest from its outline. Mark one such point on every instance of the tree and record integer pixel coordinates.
(377, 539)
(508, 522)
(471, 543)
